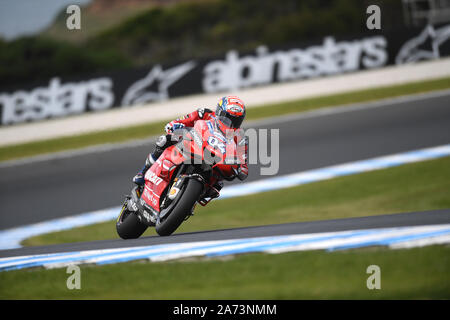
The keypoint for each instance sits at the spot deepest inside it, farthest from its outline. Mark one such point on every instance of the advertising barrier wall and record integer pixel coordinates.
(60, 97)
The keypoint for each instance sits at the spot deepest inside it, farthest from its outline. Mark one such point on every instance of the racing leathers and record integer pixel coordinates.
(189, 120)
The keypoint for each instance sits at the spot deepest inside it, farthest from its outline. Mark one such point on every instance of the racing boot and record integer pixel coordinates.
(161, 145)
(139, 177)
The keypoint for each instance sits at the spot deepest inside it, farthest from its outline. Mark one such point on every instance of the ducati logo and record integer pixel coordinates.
(153, 178)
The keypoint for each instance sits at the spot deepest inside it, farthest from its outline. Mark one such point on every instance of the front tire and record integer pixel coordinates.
(128, 225)
(184, 206)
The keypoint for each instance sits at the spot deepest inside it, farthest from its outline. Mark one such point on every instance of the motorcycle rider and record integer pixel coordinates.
(230, 107)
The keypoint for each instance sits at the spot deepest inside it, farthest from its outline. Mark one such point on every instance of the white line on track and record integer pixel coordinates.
(11, 238)
(398, 237)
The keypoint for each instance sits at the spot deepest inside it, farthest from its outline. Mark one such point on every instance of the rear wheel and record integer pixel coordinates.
(128, 225)
(182, 208)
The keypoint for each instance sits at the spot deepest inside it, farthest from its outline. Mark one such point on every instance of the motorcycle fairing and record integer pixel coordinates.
(158, 177)
(160, 174)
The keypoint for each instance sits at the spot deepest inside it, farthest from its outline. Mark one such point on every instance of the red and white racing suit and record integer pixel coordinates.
(189, 121)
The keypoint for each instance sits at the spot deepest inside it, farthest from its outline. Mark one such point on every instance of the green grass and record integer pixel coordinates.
(151, 129)
(420, 273)
(412, 187)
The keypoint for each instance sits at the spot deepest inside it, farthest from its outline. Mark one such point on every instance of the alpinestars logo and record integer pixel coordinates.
(425, 46)
(140, 91)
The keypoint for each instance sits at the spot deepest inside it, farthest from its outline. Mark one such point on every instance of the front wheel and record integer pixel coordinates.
(182, 208)
(128, 225)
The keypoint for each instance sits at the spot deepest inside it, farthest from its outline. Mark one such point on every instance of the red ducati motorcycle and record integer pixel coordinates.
(184, 175)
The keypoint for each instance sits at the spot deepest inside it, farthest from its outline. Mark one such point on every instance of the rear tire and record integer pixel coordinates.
(128, 225)
(184, 206)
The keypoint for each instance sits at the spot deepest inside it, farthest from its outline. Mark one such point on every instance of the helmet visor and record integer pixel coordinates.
(229, 120)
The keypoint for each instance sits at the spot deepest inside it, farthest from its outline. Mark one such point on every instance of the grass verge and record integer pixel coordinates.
(151, 129)
(412, 187)
(420, 273)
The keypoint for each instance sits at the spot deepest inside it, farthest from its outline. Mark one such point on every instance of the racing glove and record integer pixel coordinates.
(171, 127)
